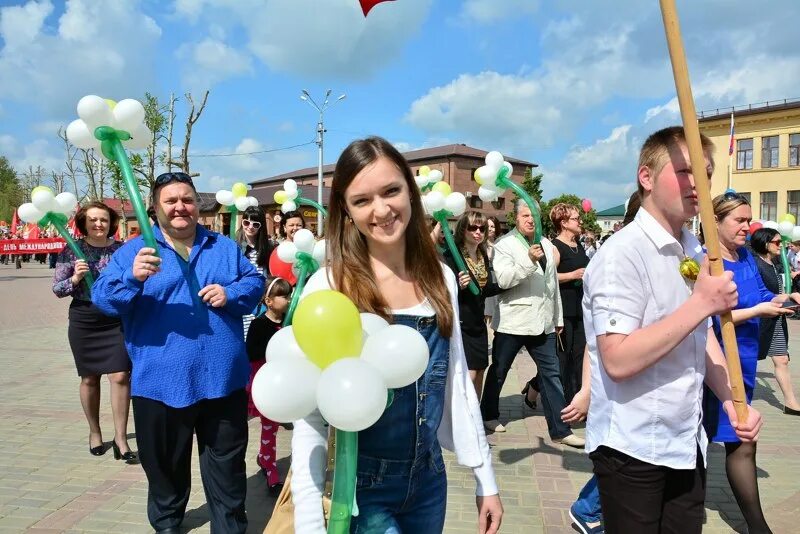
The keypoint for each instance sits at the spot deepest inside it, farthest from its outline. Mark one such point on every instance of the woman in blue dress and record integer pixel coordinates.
(733, 215)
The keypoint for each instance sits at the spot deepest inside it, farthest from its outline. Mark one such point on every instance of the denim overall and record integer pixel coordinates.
(401, 482)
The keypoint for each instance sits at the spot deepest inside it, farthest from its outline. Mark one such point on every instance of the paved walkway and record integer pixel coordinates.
(50, 483)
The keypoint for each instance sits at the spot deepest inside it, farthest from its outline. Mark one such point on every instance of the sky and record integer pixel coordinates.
(575, 86)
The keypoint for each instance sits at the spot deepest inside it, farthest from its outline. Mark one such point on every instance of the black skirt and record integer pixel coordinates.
(96, 341)
(476, 349)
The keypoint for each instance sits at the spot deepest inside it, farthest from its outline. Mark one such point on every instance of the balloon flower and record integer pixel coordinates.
(345, 364)
(495, 177)
(586, 205)
(46, 208)
(110, 127)
(441, 202)
(427, 178)
(789, 232)
(306, 255)
(289, 198)
(237, 200)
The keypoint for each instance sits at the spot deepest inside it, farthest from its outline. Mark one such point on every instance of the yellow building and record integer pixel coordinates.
(765, 165)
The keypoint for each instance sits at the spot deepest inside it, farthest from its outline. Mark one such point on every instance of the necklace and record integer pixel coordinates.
(573, 249)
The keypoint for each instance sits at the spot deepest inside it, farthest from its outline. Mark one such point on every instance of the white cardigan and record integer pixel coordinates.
(461, 429)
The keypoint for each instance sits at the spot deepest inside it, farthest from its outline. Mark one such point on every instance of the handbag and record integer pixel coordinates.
(282, 519)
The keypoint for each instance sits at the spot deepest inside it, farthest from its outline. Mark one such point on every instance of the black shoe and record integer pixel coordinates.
(100, 450)
(170, 530)
(128, 456)
(790, 411)
(530, 404)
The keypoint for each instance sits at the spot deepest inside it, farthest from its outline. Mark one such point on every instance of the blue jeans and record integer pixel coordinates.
(587, 507)
(542, 349)
(401, 485)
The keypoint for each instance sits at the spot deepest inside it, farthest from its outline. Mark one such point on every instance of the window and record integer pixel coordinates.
(769, 152)
(769, 206)
(499, 204)
(475, 202)
(794, 150)
(747, 197)
(793, 204)
(744, 154)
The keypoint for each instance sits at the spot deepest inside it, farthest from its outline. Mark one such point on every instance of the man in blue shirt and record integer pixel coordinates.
(181, 312)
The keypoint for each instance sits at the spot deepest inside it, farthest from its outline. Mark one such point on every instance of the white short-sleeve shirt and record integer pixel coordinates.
(632, 282)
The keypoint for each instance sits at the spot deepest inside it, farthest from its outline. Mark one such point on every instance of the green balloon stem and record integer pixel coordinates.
(343, 499)
(787, 279)
(57, 223)
(298, 290)
(441, 216)
(314, 204)
(505, 182)
(111, 138)
(234, 211)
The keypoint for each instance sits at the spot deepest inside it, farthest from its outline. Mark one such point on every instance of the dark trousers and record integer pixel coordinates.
(639, 497)
(542, 349)
(570, 355)
(164, 438)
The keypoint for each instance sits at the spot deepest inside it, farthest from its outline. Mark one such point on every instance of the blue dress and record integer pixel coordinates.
(751, 292)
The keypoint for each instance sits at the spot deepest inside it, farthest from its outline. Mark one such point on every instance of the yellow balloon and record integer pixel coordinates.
(478, 177)
(424, 170)
(239, 190)
(280, 197)
(327, 327)
(790, 218)
(40, 188)
(111, 103)
(442, 187)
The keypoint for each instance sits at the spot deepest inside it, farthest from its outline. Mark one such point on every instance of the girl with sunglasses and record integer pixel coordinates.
(256, 246)
(470, 238)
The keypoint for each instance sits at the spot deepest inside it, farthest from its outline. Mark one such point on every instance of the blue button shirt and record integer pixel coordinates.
(182, 349)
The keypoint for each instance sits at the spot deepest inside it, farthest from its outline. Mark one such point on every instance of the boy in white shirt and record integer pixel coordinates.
(650, 352)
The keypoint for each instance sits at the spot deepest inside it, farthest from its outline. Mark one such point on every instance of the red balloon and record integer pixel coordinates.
(755, 226)
(586, 204)
(278, 267)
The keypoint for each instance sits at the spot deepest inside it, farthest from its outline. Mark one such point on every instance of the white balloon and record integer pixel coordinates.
(225, 197)
(141, 137)
(509, 167)
(304, 240)
(241, 203)
(253, 202)
(422, 181)
(287, 252)
(128, 114)
(29, 213)
(44, 201)
(288, 206)
(487, 195)
(796, 233)
(80, 135)
(372, 323)
(320, 250)
(435, 175)
(494, 160)
(283, 345)
(771, 224)
(487, 174)
(785, 228)
(66, 202)
(351, 394)
(291, 195)
(94, 111)
(284, 390)
(399, 353)
(435, 201)
(290, 186)
(455, 203)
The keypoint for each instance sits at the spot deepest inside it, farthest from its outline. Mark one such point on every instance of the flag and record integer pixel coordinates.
(366, 5)
(34, 232)
(14, 222)
(730, 146)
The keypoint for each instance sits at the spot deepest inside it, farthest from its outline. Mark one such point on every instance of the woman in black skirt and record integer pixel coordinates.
(95, 339)
(470, 238)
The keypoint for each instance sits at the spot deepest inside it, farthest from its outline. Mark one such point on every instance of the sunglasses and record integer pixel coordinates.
(476, 228)
(255, 224)
(733, 195)
(169, 177)
(776, 241)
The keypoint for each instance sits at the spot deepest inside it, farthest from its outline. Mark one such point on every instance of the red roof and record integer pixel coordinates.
(115, 204)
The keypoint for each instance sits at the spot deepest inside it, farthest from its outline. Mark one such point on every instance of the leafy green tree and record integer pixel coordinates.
(10, 190)
(588, 220)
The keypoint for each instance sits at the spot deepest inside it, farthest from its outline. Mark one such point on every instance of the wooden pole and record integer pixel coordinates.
(680, 72)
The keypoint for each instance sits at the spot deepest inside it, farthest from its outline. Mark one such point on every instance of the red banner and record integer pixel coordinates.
(31, 246)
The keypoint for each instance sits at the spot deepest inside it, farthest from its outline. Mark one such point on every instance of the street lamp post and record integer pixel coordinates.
(320, 139)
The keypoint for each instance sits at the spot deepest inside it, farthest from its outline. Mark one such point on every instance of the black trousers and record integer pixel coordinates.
(639, 497)
(570, 355)
(164, 438)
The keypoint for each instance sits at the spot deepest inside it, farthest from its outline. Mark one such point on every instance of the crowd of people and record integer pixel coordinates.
(618, 334)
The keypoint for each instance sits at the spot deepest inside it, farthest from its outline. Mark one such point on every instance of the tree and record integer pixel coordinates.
(191, 119)
(71, 170)
(588, 220)
(156, 120)
(532, 184)
(10, 190)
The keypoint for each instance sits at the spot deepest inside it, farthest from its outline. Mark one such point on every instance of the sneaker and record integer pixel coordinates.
(583, 527)
(493, 425)
(572, 441)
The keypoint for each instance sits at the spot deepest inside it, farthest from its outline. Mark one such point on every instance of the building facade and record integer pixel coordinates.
(457, 163)
(765, 165)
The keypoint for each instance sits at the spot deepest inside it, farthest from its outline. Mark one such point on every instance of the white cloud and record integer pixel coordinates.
(211, 61)
(49, 128)
(102, 48)
(489, 11)
(8, 144)
(320, 40)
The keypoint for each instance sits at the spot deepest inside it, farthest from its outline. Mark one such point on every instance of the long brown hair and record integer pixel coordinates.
(347, 247)
(471, 217)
